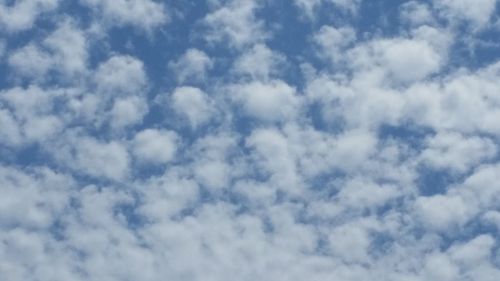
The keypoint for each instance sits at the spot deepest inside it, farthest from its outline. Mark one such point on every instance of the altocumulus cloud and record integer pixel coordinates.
(249, 140)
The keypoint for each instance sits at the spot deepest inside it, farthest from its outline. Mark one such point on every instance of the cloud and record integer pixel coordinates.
(86, 155)
(332, 41)
(478, 13)
(259, 63)
(274, 159)
(155, 146)
(270, 101)
(121, 75)
(403, 60)
(236, 22)
(33, 199)
(193, 104)
(22, 15)
(128, 111)
(311, 7)
(31, 117)
(416, 13)
(63, 51)
(440, 267)
(192, 66)
(30, 61)
(456, 152)
(442, 213)
(143, 14)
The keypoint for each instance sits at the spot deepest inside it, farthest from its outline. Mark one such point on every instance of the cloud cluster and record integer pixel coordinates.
(230, 139)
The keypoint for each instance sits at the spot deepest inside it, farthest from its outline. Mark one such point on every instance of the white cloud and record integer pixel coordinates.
(63, 51)
(442, 213)
(350, 242)
(89, 156)
(121, 75)
(144, 14)
(167, 195)
(311, 7)
(213, 174)
(235, 23)
(333, 41)
(127, 111)
(416, 13)
(212, 166)
(450, 105)
(31, 118)
(42, 127)
(10, 133)
(374, 105)
(477, 12)
(473, 252)
(403, 60)
(440, 39)
(68, 46)
(308, 7)
(193, 104)
(32, 199)
(456, 152)
(109, 160)
(155, 146)
(30, 61)
(360, 193)
(192, 66)
(22, 15)
(259, 63)
(353, 148)
(274, 158)
(3, 47)
(270, 101)
(440, 267)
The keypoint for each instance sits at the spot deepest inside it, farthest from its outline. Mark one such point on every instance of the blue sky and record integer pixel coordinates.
(249, 140)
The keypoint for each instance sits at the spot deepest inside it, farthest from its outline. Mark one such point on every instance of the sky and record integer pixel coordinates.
(280, 140)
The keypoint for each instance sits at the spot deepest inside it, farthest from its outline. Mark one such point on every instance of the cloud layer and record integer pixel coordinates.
(249, 140)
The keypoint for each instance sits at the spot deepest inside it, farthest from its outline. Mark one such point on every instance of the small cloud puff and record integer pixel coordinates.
(121, 75)
(155, 146)
(266, 101)
(22, 15)
(143, 14)
(192, 66)
(193, 104)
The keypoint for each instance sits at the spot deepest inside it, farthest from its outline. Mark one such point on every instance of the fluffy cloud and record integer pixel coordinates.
(193, 104)
(235, 22)
(33, 199)
(121, 75)
(416, 13)
(478, 13)
(455, 152)
(22, 15)
(144, 14)
(402, 60)
(311, 7)
(30, 118)
(96, 158)
(192, 66)
(270, 101)
(259, 63)
(128, 111)
(332, 41)
(155, 146)
(64, 51)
